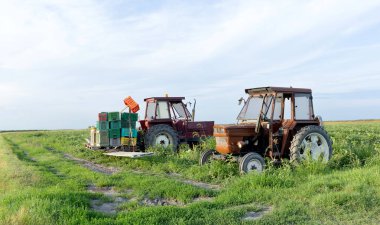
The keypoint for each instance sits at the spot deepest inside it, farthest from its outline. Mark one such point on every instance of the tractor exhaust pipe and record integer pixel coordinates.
(193, 111)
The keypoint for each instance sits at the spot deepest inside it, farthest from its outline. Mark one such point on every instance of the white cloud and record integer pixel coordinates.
(11, 93)
(80, 56)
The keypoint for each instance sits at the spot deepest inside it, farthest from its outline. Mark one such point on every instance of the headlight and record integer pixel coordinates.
(241, 144)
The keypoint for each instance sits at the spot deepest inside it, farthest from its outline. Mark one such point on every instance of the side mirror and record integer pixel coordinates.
(241, 100)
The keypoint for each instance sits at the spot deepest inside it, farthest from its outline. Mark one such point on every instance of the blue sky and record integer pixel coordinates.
(61, 62)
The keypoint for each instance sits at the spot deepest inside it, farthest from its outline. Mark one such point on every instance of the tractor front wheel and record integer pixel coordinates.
(206, 157)
(252, 162)
(162, 135)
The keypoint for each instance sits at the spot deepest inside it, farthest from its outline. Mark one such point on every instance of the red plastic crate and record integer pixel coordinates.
(131, 104)
(102, 116)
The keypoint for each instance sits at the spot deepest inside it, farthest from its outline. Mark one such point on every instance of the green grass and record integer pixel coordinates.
(39, 185)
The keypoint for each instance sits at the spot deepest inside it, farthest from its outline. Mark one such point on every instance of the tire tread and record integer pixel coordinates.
(151, 133)
(295, 145)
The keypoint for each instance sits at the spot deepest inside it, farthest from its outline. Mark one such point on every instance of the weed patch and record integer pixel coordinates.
(45, 177)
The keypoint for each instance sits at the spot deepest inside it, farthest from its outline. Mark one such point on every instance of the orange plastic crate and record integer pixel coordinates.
(135, 109)
(131, 104)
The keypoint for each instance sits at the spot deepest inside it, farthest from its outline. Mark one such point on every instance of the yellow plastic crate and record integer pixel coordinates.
(93, 136)
(125, 141)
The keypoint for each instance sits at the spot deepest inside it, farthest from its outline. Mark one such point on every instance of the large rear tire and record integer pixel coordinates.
(162, 135)
(252, 162)
(311, 140)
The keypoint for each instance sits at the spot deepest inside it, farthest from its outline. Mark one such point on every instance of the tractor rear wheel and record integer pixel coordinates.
(252, 162)
(162, 135)
(206, 157)
(311, 140)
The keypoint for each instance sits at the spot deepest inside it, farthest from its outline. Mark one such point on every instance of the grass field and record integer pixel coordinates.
(48, 177)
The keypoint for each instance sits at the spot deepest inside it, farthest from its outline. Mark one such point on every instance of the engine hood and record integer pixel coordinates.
(236, 130)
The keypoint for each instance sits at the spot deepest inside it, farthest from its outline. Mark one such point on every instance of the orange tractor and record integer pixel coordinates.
(276, 123)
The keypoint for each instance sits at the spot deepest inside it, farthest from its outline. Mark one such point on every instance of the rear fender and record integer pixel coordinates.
(149, 124)
(201, 128)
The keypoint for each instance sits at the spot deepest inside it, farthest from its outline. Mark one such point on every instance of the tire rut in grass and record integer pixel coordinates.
(200, 184)
(86, 163)
(92, 166)
(111, 206)
(107, 207)
(24, 155)
(116, 198)
(43, 166)
(252, 214)
(20, 153)
(180, 178)
(255, 215)
(112, 170)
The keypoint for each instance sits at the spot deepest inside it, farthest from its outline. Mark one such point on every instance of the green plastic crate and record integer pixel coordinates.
(112, 116)
(102, 139)
(102, 125)
(132, 116)
(114, 133)
(115, 142)
(125, 124)
(115, 124)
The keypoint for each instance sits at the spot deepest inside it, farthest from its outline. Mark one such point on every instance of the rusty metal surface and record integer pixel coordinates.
(276, 134)
(171, 99)
(187, 129)
(199, 129)
(233, 133)
(277, 89)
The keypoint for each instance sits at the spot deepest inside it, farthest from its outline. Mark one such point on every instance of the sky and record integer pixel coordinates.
(63, 61)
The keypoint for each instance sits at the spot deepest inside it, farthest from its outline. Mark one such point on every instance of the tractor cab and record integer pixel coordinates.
(275, 109)
(166, 108)
(271, 124)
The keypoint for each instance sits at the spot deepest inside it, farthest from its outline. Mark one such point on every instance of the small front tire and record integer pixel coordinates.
(206, 157)
(252, 162)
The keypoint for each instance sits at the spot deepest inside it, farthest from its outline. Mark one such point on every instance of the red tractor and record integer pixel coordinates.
(168, 122)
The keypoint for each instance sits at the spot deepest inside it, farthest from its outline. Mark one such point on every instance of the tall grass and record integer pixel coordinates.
(40, 186)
